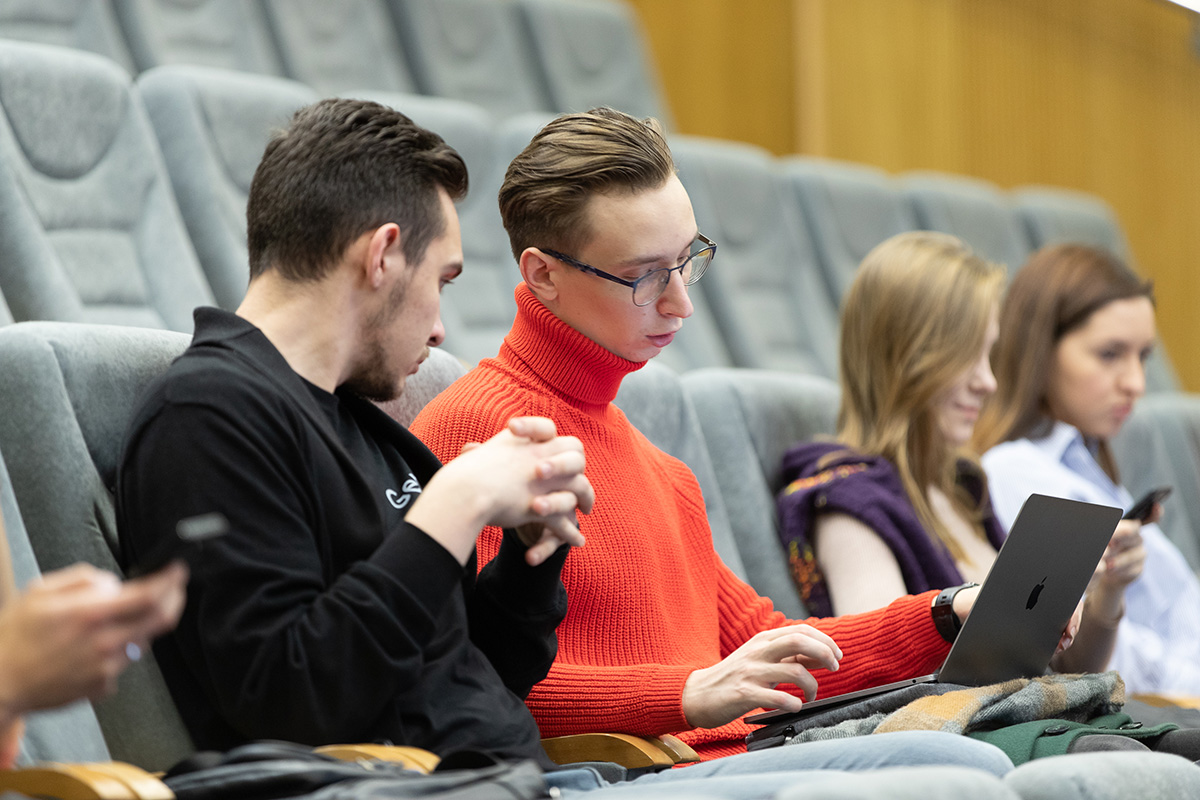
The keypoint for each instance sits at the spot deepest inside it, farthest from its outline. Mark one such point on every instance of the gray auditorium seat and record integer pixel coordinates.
(212, 125)
(655, 403)
(231, 34)
(81, 24)
(68, 391)
(1159, 445)
(764, 287)
(592, 53)
(473, 50)
(749, 419)
(89, 229)
(972, 209)
(849, 209)
(67, 395)
(1052, 215)
(67, 734)
(339, 45)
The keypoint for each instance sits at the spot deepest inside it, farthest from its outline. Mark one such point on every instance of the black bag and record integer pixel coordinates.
(274, 770)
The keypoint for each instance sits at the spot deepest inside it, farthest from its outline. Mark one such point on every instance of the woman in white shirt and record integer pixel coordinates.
(1075, 332)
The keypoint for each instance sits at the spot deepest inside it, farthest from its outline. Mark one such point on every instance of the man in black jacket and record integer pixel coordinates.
(343, 604)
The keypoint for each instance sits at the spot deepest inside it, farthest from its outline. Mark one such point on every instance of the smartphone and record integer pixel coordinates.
(190, 535)
(1143, 508)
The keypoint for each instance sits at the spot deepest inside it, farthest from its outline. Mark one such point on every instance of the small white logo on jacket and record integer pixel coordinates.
(410, 488)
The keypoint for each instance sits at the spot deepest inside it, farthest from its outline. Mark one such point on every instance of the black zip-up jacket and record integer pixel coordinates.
(322, 616)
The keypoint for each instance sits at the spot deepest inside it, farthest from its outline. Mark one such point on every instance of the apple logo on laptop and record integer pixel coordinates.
(1033, 596)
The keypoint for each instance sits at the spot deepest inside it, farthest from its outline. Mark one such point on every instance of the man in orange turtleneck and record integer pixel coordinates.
(660, 637)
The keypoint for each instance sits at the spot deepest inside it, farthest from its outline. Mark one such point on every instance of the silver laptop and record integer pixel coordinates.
(1025, 602)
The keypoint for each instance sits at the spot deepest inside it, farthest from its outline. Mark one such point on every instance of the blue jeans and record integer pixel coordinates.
(763, 773)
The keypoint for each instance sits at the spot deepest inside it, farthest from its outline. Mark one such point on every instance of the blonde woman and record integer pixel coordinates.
(1076, 330)
(897, 504)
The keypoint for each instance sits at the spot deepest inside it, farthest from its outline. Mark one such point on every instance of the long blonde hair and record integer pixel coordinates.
(913, 322)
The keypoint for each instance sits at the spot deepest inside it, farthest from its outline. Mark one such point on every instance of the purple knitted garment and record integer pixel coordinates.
(868, 489)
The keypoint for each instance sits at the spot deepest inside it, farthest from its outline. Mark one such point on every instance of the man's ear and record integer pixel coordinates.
(540, 272)
(382, 254)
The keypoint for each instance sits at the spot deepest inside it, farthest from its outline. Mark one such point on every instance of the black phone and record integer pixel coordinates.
(1142, 509)
(190, 535)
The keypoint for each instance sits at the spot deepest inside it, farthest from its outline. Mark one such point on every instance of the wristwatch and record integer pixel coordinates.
(944, 619)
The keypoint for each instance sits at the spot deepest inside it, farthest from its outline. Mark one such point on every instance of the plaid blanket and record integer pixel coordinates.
(964, 710)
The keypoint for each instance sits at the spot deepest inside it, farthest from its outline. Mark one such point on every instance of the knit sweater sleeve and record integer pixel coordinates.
(880, 646)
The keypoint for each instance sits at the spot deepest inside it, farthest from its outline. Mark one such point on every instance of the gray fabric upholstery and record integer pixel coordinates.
(749, 418)
(849, 208)
(654, 402)
(478, 309)
(901, 783)
(1052, 215)
(212, 125)
(1159, 445)
(1105, 776)
(67, 734)
(436, 373)
(473, 50)
(5, 315)
(67, 391)
(231, 34)
(592, 53)
(973, 210)
(764, 287)
(81, 24)
(89, 229)
(336, 45)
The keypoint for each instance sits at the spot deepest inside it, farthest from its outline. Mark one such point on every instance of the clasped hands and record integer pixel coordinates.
(525, 477)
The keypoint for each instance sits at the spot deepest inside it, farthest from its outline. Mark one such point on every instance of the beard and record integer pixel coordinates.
(375, 377)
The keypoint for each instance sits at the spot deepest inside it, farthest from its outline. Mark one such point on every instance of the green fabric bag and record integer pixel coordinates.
(1026, 741)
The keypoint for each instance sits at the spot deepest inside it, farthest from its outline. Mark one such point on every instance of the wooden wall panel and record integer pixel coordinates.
(1098, 95)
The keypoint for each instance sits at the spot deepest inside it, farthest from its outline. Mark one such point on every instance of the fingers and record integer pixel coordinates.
(778, 635)
(803, 649)
(148, 606)
(537, 429)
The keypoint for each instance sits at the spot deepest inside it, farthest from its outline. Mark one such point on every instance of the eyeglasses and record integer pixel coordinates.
(650, 286)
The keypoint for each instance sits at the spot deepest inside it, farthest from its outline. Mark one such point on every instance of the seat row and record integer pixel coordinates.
(93, 232)
(508, 56)
(67, 390)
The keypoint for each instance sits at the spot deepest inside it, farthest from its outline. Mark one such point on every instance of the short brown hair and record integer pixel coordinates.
(576, 156)
(1057, 290)
(342, 168)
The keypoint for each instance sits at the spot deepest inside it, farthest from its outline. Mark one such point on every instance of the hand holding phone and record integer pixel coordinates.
(190, 534)
(1143, 508)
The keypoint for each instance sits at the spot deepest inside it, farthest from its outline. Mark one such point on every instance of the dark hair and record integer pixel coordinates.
(340, 169)
(1056, 292)
(576, 156)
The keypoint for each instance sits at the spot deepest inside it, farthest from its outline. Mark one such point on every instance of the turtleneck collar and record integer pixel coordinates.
(567, 361)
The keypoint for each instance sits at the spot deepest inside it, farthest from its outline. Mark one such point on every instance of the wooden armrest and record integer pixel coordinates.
(410, 757)
(1168, 700)
(100, 781)
(632, 752)
(677, 750)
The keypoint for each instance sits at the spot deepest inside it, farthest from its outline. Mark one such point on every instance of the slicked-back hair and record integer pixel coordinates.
(341, 169)
(576, 156)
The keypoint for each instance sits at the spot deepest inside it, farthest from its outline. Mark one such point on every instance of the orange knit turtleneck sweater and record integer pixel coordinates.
(649, 600)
